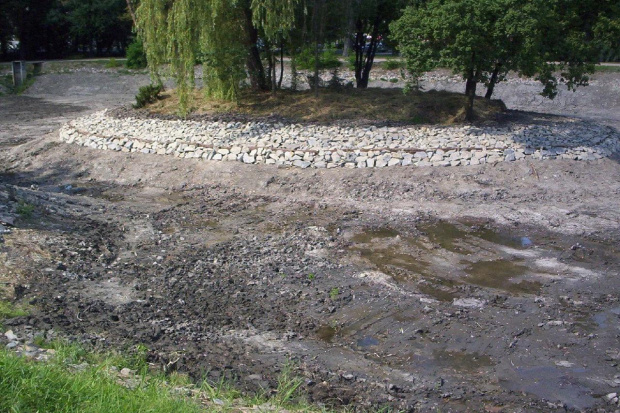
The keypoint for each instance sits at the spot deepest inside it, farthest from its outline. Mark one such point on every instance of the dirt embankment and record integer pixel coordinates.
(479, 287)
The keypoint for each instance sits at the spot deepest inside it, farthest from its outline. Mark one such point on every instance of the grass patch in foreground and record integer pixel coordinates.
(75, 380)
(373, 104)
(28, 386)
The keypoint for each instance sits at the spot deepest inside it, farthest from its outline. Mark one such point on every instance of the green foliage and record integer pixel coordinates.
(275, 17)
(10, 310)
(147, 94)
(351, 61)
(371, 19)
(288, 386)
(474, 38)
(7, 82)
(101, 22)
(328, 59)
(53, 387)
(24, 209)
(136, 58)
(333, 293)
(221, 33)
(112, 63)
(393, 64)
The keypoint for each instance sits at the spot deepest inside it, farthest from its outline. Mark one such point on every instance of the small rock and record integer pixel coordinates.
(10, 336)
(301, 164)
(125, 372)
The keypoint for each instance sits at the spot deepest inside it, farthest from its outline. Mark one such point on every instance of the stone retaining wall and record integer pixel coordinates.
(321, 146)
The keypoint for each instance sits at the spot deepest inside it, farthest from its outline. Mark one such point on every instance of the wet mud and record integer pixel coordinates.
(448, 315)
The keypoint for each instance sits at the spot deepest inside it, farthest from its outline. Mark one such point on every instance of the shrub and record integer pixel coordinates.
(112, 63)
(24, 209)
(147, 94)
(351, 60)
(328, 59)
(136, 58)
(393, 64)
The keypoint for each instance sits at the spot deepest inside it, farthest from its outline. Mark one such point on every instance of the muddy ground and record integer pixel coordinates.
(423, 289)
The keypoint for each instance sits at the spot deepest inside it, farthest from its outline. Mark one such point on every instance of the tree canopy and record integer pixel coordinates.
(224, 33)
(484, 39)
(57, 28)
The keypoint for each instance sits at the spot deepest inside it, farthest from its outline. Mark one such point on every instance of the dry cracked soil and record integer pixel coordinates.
(480, 288)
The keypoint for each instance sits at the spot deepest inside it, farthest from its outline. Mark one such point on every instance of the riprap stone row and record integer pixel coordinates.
(321, 146)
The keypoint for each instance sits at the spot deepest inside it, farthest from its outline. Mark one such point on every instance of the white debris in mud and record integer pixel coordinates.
(320, 146)
(468, 302)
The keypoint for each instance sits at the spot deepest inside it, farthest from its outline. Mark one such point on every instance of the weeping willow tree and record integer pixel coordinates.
(276, 18)
(224, 33)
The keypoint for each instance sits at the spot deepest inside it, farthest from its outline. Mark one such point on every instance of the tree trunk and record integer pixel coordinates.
(316, 69)
(360, 43)
(470, 91)
(317, 26)
(350, 19)
(470, 83)
(370, 55)
(256, 71)
(281, 64)
(493, 81)
(346, 46)
(274, 80)
(4, 47)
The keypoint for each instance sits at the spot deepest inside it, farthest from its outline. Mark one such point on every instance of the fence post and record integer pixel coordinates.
(19, 72)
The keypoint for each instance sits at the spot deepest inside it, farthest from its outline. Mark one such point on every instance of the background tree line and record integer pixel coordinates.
(37, 29)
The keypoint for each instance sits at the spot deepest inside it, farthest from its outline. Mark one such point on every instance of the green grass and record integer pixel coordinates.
(608, 69)
(10, 310)
(76, 380)
(7, 81)
(28, 386)
(112, 63)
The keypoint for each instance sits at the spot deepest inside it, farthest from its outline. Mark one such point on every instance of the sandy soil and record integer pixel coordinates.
(468, 288)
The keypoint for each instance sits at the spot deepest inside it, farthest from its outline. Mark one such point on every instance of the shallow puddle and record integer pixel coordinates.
(461, 361)
(326, 333)
(445, 254)
(442, 290)
(401, 267)
(503, 238)
(448, 236)
(368, 236)
(501, 274)
(552, 383)
(367, 341)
